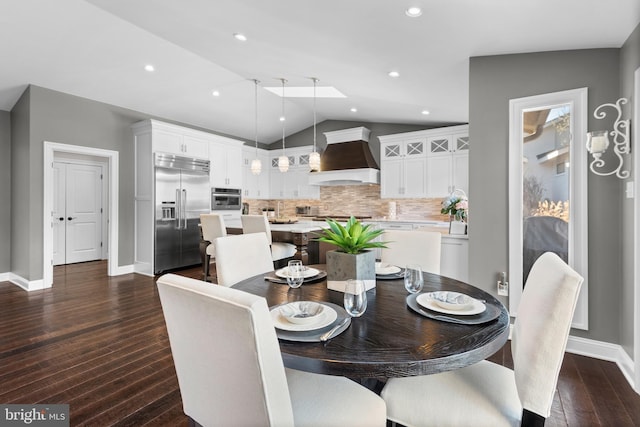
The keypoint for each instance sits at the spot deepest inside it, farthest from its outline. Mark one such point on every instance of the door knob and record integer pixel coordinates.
(71, 218)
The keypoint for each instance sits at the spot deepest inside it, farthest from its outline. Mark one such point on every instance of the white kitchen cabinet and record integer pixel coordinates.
(172, 139)
(293, 184)
(403, 170)
(454, 258)
(447, 164)
(225, 155)
(255, 186)
(429, 163)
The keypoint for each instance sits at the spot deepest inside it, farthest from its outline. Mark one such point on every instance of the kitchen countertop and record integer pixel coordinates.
(307, 225)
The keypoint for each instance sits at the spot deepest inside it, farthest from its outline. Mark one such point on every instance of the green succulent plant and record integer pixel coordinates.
(352, 238)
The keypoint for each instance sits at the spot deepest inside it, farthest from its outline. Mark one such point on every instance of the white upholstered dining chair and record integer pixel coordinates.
(487, 394)
(212, 228)
(412, 247)
(241, 256)
(230, 370)
(260, 224)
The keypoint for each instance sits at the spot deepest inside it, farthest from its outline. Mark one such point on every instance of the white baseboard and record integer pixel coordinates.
(36, 285)
(123, 269)
(27, 285)
(605, 351)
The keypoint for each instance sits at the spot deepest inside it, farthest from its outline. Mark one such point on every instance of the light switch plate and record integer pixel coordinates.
(629, 190)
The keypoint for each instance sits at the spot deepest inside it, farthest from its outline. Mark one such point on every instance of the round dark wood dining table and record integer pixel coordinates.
(389, 339)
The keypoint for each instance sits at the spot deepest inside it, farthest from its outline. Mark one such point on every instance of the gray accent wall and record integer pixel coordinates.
(305, 137)
(629, 63)
(47, 115)
(21, 233)
(493, 81)
(5, 191)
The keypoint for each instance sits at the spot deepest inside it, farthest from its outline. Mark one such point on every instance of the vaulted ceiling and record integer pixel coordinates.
(98, 49)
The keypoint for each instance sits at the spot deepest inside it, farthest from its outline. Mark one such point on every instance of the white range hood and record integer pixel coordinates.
(347, 160)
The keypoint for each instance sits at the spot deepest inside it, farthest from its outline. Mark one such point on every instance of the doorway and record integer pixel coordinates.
(110, 159)
(77, 218)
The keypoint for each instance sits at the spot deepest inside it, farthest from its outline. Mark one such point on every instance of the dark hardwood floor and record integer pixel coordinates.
(99, 344)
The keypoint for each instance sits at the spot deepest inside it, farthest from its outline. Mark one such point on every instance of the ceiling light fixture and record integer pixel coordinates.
(413, 12)
(283, 160)
(314, 157)
(215, 93)
(394, 74)
(426, 112)
(354, 110)
(256, 164)
(240, 36)
(149, 68)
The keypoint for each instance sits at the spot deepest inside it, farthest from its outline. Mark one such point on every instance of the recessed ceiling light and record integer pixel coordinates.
(282, 118)
(426, 112)
(354, 110)
(413, 12)
(240, 36)
(215, 93)
(394, 74)
(149, 68)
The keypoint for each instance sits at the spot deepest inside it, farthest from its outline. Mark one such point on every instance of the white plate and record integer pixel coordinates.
(384, 268)
(308, 272)
(426, 300)
(328, 316)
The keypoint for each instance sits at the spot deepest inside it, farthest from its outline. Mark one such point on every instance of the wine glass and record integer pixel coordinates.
(295, 271)
(355, 298)
(413, 280)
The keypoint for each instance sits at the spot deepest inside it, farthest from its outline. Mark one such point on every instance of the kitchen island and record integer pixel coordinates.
(301, 234)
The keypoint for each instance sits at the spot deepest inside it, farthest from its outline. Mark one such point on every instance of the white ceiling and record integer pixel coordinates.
(98, 49)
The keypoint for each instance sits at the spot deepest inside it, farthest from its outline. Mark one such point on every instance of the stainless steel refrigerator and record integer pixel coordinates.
(182, 194)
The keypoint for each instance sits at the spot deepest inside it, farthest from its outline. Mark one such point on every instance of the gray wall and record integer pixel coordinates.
(46, 115)
(305, 137)
(629, 62)
(21, 233)
(493, 81)
(5, 191)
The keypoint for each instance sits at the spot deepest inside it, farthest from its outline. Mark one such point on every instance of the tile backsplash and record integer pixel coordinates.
(360, 200)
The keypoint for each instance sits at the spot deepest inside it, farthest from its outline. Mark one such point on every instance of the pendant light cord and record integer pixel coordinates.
(256, 114)
(315, 81)
(283, 118)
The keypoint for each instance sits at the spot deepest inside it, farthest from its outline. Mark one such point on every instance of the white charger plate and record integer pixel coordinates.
(328, 316)
(307, 272)
(426, 300)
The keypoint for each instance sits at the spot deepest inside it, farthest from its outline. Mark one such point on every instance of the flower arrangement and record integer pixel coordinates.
(456, 205)
(352, 238)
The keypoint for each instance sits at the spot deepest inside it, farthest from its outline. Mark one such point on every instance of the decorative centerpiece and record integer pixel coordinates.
(353, 259)
(457, 206)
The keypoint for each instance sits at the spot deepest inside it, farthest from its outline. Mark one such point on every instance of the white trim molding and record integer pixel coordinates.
(578, 222)
(635, 148)
(605, 351)
(27, 285)
(112, 158)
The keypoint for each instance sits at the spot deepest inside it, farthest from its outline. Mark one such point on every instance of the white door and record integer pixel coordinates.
(78, 200)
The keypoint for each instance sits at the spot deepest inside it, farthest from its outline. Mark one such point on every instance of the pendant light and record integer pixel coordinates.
(256, 164)
(283, 160)
(314, 157)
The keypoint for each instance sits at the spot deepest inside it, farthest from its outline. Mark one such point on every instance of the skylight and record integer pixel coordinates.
(307, 92)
